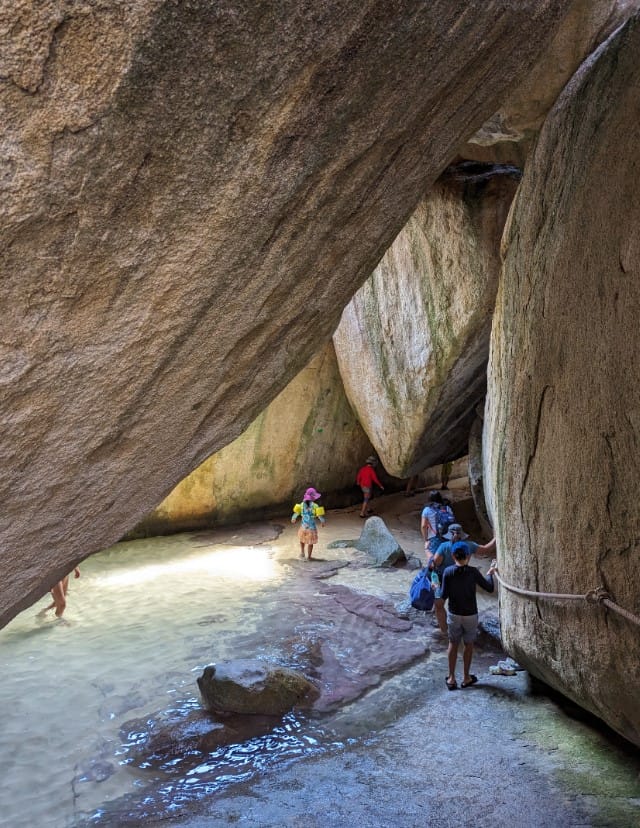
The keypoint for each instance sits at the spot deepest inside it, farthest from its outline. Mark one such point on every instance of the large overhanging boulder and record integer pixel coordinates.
(562, 426)
(192, 194)
(508, 134)
(413, 343)
(307, 436)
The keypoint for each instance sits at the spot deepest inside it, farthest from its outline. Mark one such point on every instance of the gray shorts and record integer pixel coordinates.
(462, 628)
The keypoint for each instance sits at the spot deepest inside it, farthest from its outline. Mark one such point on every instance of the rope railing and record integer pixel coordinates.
(599, 595)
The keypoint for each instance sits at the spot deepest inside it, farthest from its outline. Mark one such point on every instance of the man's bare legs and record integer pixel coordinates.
(440, 614)
(467, 655)
(452, 657)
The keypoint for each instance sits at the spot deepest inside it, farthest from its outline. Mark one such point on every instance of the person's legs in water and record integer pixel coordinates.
(58, 593)
(302, 549)
(309, 550)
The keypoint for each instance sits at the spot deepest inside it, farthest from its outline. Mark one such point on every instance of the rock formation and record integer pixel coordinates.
(562, 426)
(476, 475)
(413, 343)
(253, 687)
(508, 135)
(192, 192)
(378, 542)
(308, 436)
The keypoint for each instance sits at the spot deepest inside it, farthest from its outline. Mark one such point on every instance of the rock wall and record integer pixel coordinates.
(508, 135)
(476, 473)
(308, 436)
(191, 194)
(563, 423)
(413, 343)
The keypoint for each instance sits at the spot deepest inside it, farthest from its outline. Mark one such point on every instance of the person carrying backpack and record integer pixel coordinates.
(444, 518)
(309, 511)
(429, 524)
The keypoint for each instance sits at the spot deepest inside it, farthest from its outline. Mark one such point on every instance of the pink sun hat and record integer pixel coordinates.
(311, 494)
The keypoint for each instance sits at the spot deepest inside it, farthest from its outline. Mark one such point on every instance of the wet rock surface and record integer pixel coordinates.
(253, 687)
(392, 746)
(378, 542)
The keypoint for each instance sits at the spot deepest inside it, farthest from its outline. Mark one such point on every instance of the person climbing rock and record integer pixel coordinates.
(366, 478)
(309, 511)
(459, 584)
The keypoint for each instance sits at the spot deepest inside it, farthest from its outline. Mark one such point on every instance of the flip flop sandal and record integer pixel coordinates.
(451, 685)
(472, 680)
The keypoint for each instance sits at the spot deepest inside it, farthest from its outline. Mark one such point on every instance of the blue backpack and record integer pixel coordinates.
(421, 594)
(444, 519)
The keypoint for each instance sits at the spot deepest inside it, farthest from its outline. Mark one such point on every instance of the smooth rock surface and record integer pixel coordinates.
(476, 474)
(308, 436)
(251, 686)
(191, 194)
(562, 426)
(507, 136)
(413, 343)
(378, 542)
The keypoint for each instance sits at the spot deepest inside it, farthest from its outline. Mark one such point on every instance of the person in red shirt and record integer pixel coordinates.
(366, 478)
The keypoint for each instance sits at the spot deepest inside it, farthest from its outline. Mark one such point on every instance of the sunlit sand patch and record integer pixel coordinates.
(241, 562)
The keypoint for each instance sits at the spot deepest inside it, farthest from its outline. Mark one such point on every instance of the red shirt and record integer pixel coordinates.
(367, 477)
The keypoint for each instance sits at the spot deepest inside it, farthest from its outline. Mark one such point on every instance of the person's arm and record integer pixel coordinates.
(297, 511)
(485, 582)
(319, 513)
(444, 591)
(437, 559)
(374, 477)
(423, 527)
(487, 547)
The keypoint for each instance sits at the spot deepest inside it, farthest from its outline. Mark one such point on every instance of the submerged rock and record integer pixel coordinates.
(173, 739)
(253, 686)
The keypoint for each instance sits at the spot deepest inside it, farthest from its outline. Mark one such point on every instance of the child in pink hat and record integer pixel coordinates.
(309, 511)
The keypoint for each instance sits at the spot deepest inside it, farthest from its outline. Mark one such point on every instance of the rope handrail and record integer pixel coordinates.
(599, 595)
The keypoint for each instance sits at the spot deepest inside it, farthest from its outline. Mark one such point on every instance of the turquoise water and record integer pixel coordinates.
(141, 623)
